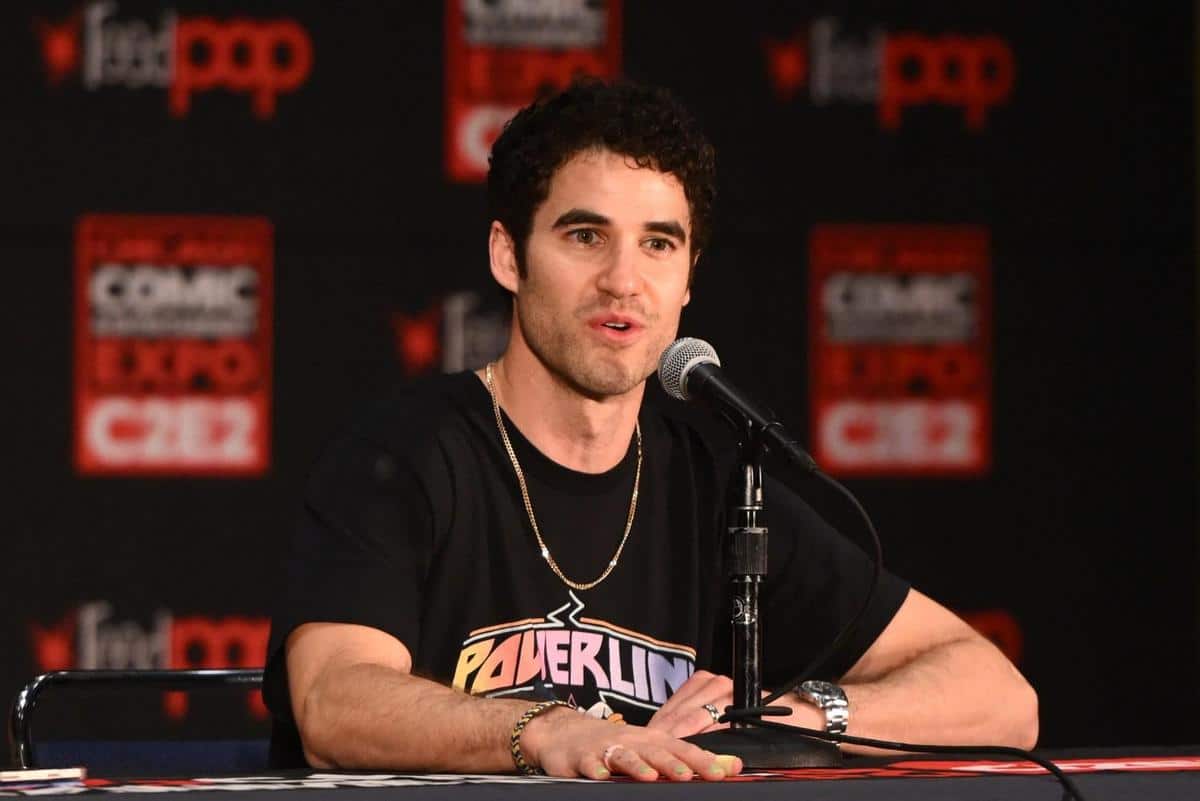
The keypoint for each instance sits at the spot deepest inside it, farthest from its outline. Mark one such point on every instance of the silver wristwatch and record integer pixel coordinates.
(830, 699)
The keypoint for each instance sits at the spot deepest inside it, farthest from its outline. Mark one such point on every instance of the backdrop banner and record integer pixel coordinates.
(954, 243)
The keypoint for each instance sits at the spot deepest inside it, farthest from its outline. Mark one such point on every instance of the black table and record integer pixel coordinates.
(1143, 774)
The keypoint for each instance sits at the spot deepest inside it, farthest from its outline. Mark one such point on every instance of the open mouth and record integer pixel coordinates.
(617, 326)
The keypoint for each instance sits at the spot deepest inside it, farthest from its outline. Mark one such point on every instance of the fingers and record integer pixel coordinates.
(673, 761)
(708, 717)
(700, 688)
(684, 712)
(706, 764)
(730, 764)
(592, 767)
(680, 761)
(694, 720)
(599, 750)
(667, 764)
(625, 760)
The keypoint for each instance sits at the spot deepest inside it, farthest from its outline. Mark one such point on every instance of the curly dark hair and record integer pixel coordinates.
(646, 124)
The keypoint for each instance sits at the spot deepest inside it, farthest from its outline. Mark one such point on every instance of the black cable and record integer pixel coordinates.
(754, 715)
(1068, 785)
(849, 629)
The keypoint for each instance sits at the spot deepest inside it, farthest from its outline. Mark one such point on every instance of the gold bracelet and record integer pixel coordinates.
(515, 740)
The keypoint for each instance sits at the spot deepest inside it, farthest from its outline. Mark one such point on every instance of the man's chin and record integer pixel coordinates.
(598, 388)
(609, 380)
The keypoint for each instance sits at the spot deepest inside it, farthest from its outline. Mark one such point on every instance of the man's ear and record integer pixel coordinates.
(502, 252)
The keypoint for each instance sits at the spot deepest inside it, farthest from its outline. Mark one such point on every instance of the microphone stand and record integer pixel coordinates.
(758, 746)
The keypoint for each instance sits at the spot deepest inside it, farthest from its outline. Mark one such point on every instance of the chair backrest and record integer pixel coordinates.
(130, 757)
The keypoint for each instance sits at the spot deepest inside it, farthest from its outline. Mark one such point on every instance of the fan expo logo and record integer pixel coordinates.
(92, 637)
(173, 345)
(500, 54)
(462, 331)
(900, 350)
(894, 71)
(183, 55)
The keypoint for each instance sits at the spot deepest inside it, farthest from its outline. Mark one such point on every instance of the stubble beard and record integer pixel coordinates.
(590, 369)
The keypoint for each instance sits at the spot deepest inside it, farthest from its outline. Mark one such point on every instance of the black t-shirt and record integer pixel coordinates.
(413, 524)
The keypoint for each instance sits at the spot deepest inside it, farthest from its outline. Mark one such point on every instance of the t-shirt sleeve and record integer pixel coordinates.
(358, 553)
(817, 580)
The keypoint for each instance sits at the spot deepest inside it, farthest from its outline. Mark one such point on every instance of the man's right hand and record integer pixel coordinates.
(562, 742)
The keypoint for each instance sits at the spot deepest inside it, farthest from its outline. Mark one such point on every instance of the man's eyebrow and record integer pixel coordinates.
(587, 217)
(668, 227)
(580, 217)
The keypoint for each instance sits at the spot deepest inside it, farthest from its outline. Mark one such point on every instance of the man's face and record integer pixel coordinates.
(607, 265)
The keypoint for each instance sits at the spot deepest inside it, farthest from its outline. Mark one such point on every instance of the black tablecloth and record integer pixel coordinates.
(1124, 775)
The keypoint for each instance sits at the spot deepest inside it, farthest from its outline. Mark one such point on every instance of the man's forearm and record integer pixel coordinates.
(928, 678)
(371, 716)
(960, 692)
(367, 715)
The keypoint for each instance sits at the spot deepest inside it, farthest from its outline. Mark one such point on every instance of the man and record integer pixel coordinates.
(535, 531)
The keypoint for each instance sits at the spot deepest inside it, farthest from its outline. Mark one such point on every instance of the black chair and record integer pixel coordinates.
(133, 757)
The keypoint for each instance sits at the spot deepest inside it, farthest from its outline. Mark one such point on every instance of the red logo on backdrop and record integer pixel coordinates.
(895, 71)
(91, 638)
(501, 54)
(418, 339)
(900, 332)
(60, 47)
(461, 331)
(184, 55)
(172, 345)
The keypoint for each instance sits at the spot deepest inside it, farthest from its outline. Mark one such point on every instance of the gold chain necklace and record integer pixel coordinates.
(512, 455)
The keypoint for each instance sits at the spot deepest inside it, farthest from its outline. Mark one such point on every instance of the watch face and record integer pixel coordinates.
(820, 688)
(832, 699)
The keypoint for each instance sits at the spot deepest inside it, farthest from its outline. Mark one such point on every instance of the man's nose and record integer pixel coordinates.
(621, 277)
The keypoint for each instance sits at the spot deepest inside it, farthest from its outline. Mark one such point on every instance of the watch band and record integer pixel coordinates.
(830, 699)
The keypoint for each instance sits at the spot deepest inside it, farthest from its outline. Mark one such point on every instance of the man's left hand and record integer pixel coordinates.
(684, 713)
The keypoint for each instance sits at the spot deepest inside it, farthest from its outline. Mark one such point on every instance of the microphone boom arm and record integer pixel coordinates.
(705, 381)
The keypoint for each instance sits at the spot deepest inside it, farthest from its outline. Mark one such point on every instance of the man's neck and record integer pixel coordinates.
(578, 432)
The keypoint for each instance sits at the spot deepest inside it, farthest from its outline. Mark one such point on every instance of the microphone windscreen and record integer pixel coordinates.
(678, 359)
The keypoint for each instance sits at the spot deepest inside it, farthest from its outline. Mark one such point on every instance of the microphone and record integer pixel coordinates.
(689, 369)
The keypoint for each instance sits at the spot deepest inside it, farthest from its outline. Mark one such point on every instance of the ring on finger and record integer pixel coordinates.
(608, 753)
(712, 710)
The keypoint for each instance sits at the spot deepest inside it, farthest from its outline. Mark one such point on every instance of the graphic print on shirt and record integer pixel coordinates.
(602, 664)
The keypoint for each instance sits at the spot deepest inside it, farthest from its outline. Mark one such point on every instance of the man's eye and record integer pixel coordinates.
(661, 244)
(584, 236)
